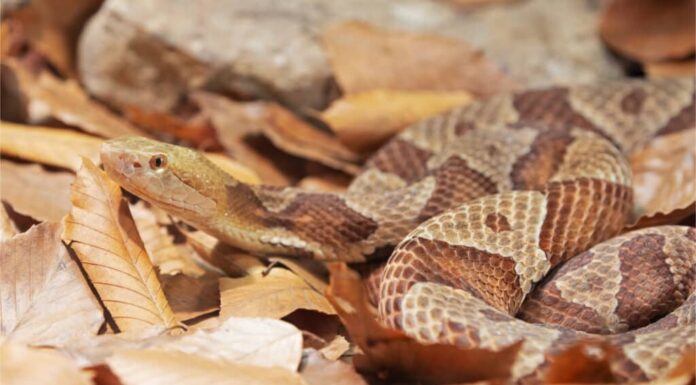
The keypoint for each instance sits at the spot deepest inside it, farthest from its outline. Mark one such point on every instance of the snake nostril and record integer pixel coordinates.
(137, 164)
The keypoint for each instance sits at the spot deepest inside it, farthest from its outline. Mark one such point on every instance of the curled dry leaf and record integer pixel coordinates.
(313, 272)
(663, 179)
(365, 120)
(585, 363)
(147, 367)
(160, 246)
(365, 57)
(35, 192)
(21, 365)
(335, 349)
(7, 227)
(196, 130)
(43, 297)
(46, 145)
(226, 258)
(650, 30)
(102, 233)
(390, 352)
(48, 96)
(274, 294)
(317, 370)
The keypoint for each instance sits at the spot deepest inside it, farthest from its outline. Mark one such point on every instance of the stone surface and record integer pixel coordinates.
(151, 52)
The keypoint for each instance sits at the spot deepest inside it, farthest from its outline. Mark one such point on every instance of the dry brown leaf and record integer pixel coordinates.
(7, 227)
(317, 370)
(365, 57)
(238, 123)
(584, 363)
(43, 297)
(236, 169)
(663, 179)
(229, 260)
(102, 233)
(365, 120)
(313, 272)
(335, 349)
(48, 96)
(160, 246)
(196, 131)
(143, 367)
(650, 30)
(273, 295)
(51, 146)
(190, 297)
(33, 191)
(53, 27)
(21, 365)
(338, 182)
(671, 69)
(390, 352)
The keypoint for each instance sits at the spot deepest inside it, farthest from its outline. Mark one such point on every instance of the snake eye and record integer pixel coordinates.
(158, 161)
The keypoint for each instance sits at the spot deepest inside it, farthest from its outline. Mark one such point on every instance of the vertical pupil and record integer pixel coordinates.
(158, 161)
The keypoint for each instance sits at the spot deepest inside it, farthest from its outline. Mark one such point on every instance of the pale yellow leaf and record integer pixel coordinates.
(51, 146)
(365, 120)
(43, 297)
(160, 245)
(147, 367)
(274, 295)
(33, 191)
(21, 365)
(101, 231)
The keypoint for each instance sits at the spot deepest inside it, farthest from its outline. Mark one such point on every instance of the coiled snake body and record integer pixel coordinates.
(499, 208)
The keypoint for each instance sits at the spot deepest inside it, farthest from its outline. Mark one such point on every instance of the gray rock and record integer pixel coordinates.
(151, 52)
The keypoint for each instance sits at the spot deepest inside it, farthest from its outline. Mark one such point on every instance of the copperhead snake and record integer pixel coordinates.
(510, 206)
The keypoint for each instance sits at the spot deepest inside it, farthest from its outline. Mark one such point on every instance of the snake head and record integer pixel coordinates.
(175, 178)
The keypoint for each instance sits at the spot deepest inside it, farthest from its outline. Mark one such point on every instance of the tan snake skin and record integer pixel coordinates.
(499, 208)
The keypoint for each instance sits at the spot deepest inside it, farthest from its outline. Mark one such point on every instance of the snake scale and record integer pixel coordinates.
(501, 219)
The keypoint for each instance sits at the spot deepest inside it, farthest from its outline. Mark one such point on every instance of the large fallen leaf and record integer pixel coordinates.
(160, 246)
(364, 57)
(650, 30)
(663, 179)
(313, 272)
(51, 146)
(101, 231)
(48, 96)
(33, 191)
(21, 365)
(250, 341)
(391, 353)
(43, 297)
(364, 121)
(146, 367)
(317, 370)
(274, 295)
